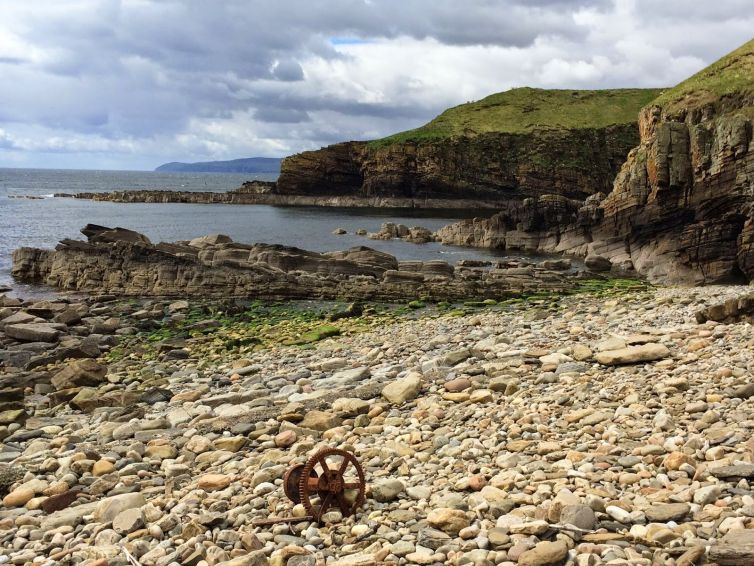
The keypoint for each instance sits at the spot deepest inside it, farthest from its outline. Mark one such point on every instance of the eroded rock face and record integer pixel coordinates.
(683, 197)
(494, 166)
(125, 263)
(681, 209)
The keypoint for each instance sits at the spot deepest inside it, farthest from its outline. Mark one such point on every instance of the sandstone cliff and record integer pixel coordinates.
(681, 206)
(524, 142)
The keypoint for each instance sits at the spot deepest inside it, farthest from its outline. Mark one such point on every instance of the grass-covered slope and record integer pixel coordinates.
(730, 75)
(524, 110)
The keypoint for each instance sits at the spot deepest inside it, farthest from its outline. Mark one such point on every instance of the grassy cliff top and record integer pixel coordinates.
(732, 74)
(523, 110)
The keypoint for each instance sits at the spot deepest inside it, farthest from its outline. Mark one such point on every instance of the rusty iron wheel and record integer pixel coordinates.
(292, 481)
(323, 486)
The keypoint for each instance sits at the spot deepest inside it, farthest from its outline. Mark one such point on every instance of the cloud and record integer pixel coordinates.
(6, 142)
(287, 71)
(139, 82)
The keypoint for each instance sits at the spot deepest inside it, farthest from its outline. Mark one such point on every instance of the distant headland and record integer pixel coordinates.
(245, 165)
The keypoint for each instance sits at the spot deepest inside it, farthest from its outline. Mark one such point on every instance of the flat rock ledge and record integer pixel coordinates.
(123, 262)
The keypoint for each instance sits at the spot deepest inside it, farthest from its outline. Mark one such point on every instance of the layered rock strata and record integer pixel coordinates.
(481, 171)
(681, 207)
(520, 143)
(123, 262)
(487, 167)
(243, 195)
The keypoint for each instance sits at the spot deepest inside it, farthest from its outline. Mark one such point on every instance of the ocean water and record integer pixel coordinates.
(42, 222)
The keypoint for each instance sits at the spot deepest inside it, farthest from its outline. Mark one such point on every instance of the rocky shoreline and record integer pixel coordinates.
(262, 192)
(126, 263)
(608, 427)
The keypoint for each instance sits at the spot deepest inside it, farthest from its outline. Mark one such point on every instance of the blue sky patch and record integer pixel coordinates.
(348, 41)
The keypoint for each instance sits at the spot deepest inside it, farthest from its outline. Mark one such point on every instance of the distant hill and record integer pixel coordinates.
(526, 110)
(246, 165)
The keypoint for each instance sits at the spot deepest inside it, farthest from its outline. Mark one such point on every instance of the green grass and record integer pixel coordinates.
(524, 110)
(731, 74)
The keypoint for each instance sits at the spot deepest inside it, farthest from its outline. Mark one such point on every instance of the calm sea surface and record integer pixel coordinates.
(43, 222)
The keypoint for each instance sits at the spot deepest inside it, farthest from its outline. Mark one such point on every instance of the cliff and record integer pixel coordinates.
(520, 143)
(509, 146)
(681, 206)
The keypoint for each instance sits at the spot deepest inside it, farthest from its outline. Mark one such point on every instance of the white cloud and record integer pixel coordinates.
(135, 83)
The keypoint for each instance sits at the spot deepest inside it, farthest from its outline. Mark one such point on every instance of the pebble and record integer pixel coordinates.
(499, 440)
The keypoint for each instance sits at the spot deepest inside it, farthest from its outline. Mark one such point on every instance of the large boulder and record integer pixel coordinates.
(448, 520)
(210, 240)
(102, 234)
(633, 354)
(402, 390)
(369, 257)
(597, 263)
(80, 373)
(30, 332)
(110, 507)
(545, 553)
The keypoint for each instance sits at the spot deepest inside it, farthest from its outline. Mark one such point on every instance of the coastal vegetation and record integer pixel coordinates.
(526, 110)
(213, 327)
(731, 75)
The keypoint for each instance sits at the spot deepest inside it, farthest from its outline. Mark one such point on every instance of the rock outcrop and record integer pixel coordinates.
(490, 166)
(521, 143)
(264, 192)
(681, 207)
(123, 262)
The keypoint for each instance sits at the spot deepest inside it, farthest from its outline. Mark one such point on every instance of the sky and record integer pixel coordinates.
(131, 84)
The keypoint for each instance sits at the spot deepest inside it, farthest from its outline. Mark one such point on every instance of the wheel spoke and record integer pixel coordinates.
(351, 485)
(323, 462)
(344, 466)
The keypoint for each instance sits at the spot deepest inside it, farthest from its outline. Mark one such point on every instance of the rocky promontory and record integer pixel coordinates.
(123, 262)
(681, 208)
(521, 143)
(265, 192)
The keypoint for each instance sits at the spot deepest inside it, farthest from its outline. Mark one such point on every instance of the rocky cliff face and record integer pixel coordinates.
(493, 166)
(682, 206)
(683, 198)
(680, 210)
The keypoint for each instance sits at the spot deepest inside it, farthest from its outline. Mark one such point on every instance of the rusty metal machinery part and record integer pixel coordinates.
(292, 481)
(342, 486)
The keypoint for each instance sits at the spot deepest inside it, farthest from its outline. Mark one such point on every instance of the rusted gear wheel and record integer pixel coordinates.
(292, 481)
(336, 484)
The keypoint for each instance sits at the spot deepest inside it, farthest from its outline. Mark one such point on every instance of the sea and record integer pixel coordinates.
(43, 220)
